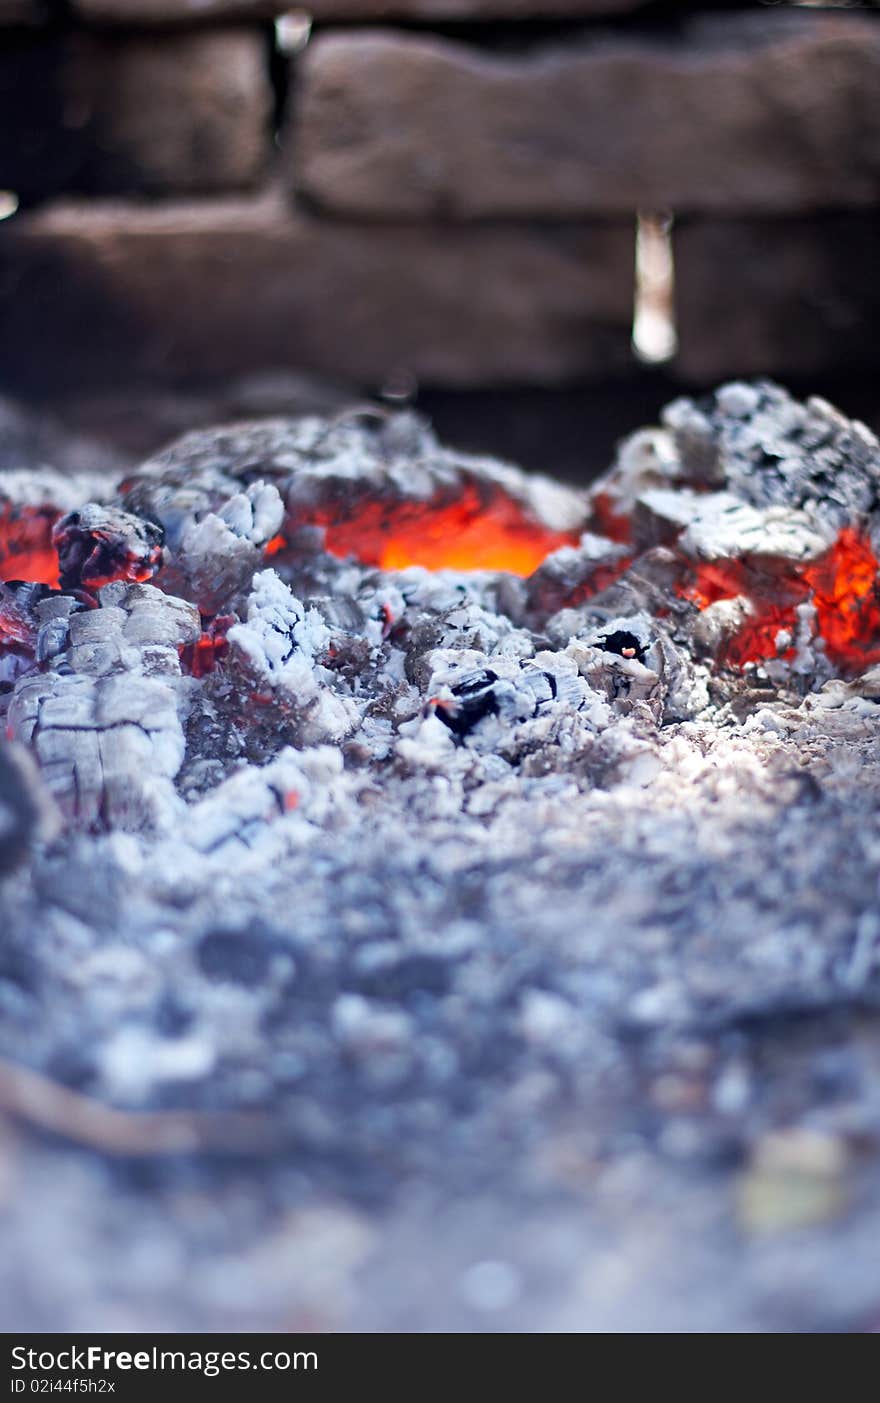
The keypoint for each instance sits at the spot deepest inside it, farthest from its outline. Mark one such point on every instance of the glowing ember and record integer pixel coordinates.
(97, 545)
(601, 578)
(713, 580)
(16, 628)
(26, 549)
(759, 638)
(563, 583)
(607, 521)
(842, 586)
(845, 590)
(469, 533)
(201, 657)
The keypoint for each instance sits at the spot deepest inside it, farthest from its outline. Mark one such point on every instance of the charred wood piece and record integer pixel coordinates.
(97, 545)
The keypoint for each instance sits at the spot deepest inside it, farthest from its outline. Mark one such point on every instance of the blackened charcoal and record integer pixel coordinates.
(474, 699)
(99, 544)
(624, 643)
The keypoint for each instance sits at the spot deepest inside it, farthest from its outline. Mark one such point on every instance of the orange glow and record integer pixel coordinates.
(470, 532)
(126, 570)
(547, 595)
(201, 657)
(16, 630)
(26, 550)
(845, 590)
(602, 577)
(607, 521)
(842, 585)
(756, 640)
(713, 580)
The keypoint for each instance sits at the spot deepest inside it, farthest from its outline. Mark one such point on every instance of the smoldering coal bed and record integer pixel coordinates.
(436, 897)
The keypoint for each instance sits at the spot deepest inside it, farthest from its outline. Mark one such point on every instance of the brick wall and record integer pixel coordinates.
(439, 189)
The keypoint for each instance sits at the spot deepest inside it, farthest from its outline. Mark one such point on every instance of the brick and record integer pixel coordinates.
(780, 297)
(92, 293)
(101, 114)
(773, 111)
(165, 12)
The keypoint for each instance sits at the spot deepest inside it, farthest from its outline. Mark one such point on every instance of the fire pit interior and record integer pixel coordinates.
(439, 897)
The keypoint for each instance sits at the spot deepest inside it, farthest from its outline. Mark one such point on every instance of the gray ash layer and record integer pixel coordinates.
(462, 950)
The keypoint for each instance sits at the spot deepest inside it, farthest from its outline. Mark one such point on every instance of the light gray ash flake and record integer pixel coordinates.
(772, 449)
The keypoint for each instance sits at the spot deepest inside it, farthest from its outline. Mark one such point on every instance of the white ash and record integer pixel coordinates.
(720, 526)
(102, 716)
(525, 922)
(277, 630)
(770, 449)
(46, 486)
(761, 445)
(354, 454)
(217, 553)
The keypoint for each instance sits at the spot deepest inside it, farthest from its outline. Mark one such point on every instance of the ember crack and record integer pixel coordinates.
(97, 545)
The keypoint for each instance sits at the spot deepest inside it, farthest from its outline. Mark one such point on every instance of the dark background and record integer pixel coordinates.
(232, 210)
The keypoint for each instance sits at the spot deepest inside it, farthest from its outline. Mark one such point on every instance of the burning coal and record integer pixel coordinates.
(381, 776)
(352, 583)
(298, 582)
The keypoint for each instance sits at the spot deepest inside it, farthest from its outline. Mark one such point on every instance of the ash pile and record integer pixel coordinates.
(437, 898)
